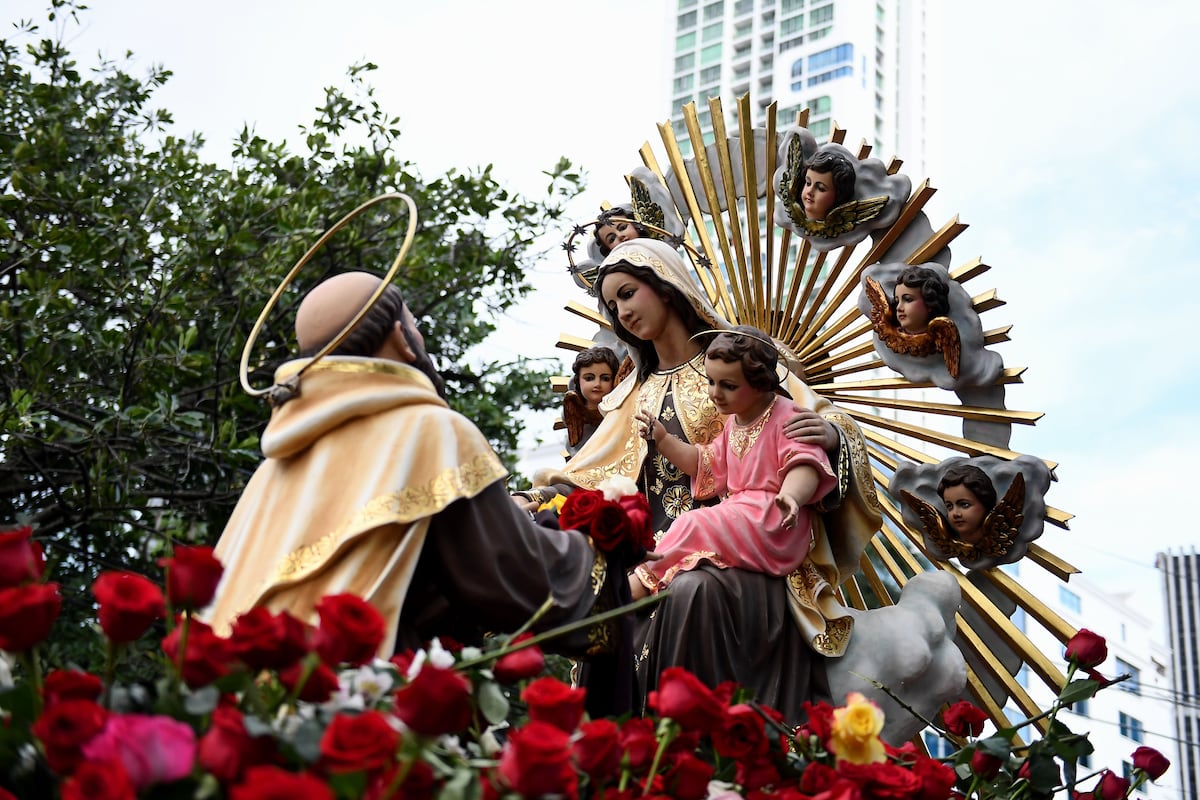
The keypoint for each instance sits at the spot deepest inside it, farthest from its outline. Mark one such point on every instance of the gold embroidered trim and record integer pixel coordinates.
(743, 437)
(404, 506)
(835, 638)
(706, 481)
(353, 366)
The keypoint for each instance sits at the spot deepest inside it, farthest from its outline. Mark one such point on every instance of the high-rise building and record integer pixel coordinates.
(855, 63)
(1181, 593)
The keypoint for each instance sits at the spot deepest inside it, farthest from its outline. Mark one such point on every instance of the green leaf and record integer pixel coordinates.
(462, 785)
(1079, 689)
(492, 702)
(995, 746)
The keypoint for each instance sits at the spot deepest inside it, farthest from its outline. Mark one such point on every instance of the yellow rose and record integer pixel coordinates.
(856, 729)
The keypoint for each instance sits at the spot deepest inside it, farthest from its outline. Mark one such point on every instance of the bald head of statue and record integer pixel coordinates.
(387, 331)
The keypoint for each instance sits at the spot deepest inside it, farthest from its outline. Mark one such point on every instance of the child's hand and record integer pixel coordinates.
(650, 427)
(790, 508)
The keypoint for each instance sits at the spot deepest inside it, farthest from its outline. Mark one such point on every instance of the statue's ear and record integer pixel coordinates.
(399, 341)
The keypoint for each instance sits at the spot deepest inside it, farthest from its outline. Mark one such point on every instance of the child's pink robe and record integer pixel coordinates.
(745, 465)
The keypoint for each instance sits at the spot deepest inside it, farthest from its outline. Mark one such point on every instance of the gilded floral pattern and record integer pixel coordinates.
(743, 437)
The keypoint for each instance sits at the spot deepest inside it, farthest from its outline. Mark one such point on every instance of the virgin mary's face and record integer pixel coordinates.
(635, 304)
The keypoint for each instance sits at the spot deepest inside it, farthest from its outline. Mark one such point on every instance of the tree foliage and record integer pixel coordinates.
(132, 270)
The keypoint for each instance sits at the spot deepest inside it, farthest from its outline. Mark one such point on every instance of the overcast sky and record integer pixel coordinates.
(1065, 134)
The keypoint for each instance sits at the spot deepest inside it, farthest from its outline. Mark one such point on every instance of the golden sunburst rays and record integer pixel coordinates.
(757, 273)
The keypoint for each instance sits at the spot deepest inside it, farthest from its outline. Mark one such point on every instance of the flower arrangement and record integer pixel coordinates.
(282, 709)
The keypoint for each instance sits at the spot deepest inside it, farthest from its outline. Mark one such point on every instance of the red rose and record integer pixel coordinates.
(262, 640)
(537, 761)
(419, 784)
(70, 684)
(964, 719)
(520, 664)
(1087, 649)
(936, 778)
(820, 722)
(26, 615)
(21, 558)
(598, 749)
(552, 701)
(1111, 786)
(755, 773)
(985, 765)
(580, 509)
(640, 742)
(318, 687)
(192, 577)
(742, 734)
(206, 657)
(129, 604)
(688, 777)
(273, 783)
(682, 697)
(227, 749)
(437, 701)
(359, 742)
(881, 781)
(350, 632)
(1150, 761)
(638, 510)
(610, 527)
(65, 728)
(99, 780)
(818, 777)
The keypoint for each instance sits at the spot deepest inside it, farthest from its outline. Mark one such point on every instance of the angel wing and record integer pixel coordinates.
(935, 528)
(792, 182)
(576, 414)
(1003, 523)
(644, 207)
(881, 309)
(623, 371)
(842, 219)
(945, 340)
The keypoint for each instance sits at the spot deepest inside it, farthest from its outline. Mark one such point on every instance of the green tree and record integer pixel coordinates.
(132, 270)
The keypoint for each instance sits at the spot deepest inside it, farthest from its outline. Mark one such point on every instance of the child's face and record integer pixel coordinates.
(595, 381)
(612, 234)
(911, 311)
(728, 389)
(818, 195)
(965, 513)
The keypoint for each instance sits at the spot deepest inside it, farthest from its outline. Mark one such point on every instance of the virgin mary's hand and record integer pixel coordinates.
(811, 428)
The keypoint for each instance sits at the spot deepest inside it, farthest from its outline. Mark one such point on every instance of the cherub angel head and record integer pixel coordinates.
(969, 496)
(828, 182)
(613, 227)
(920, 295)
(595, 371)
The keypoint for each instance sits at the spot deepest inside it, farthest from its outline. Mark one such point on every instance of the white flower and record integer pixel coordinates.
(616, 487)
(440, 656)
(470, 653)
(372, 684)
(415, 667)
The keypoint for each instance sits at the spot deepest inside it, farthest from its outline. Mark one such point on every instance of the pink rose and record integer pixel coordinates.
(152, 749)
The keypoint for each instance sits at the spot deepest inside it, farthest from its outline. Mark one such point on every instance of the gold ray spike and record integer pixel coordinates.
(935, 437)
(576, 344)
(894, 165)
(1008, 376)
(1050, 562)
(778, 318)
(814, 346)
(1002, 415)
(972, 269)
(984, 700)
(937, 242)
(874, 581)
(736, 267)
(986, 301)
(997, 335)
(1060, 628)
(710, 278)
(1007, 682)
(796, 297)
(839, 134)
(860, 349)
(709, 187)
(770, 300)
(866, 366)
(559, 383)
(753, 231)
(590, 314)
(1059, 517)
(907, 214)
(864, 149)
(807, 328)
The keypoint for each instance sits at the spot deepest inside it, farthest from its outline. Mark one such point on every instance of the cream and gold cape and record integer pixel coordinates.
(355, 467)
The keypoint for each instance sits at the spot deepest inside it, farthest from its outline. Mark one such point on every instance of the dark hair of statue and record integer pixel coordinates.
(974, 479)
(647, 356)
(934, 289)
(841, 170)
(606, 218)
(590, 357)
(758, 360)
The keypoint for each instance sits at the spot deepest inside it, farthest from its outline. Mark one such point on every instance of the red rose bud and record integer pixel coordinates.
(27, 614)
(350, 632)
(520, 664)
(1150, 761)
(598, 751)
(129, 605)
(359, 742)
(192, 577)
(262, 640)
(964, 719)
(437, 701)
(21, 558)
(70, 684)
(1087, 649)
(685, 699)
(638, 739)
(985, 765)
(553, 702)
(1111, 786)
